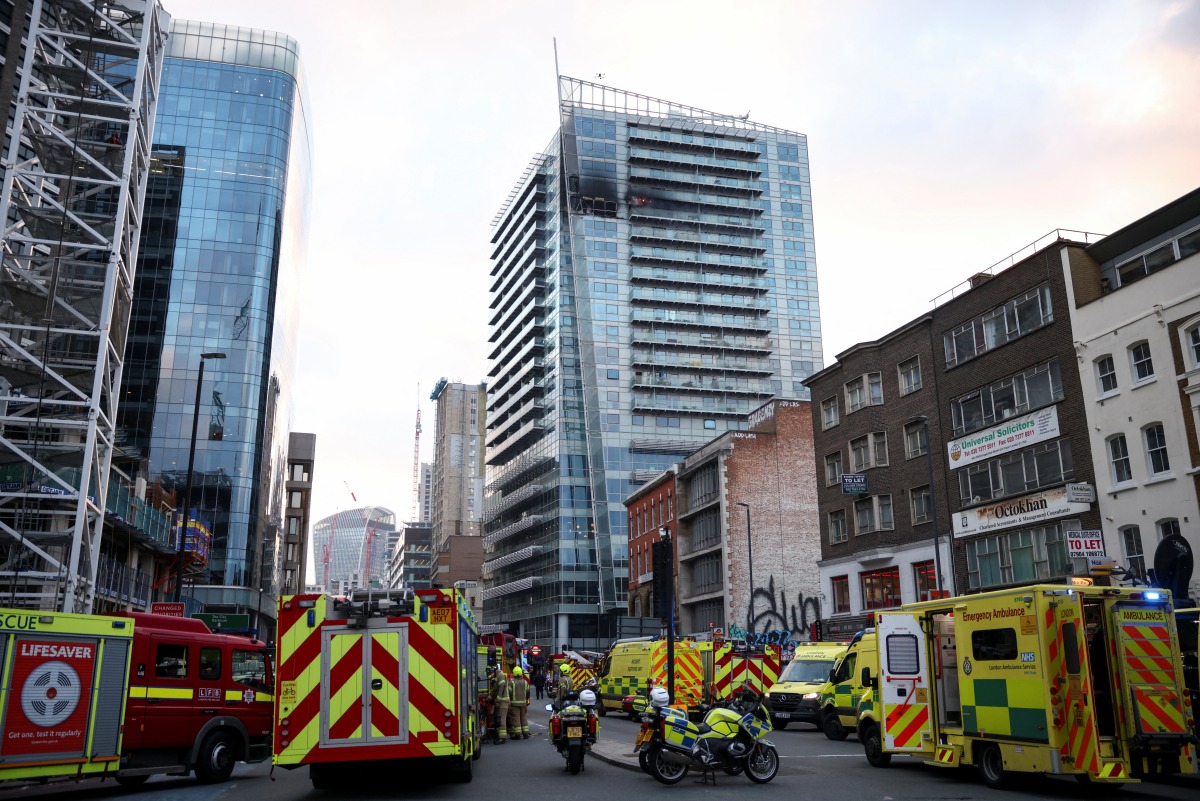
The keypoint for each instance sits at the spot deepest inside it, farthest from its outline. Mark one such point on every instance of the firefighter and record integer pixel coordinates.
(504, 690)
(518, 711)
(563, 683)
(492, 724)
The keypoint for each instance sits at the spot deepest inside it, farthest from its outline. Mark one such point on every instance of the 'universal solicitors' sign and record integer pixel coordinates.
(1010, 435)
(1013, 512)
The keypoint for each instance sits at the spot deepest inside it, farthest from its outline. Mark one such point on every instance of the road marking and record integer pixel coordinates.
(817, 756)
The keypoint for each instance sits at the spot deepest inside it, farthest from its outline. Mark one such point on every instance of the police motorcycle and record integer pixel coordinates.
(573, 726)
(732, 738)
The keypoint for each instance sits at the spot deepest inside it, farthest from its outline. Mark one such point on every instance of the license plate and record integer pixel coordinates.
(783, 714)
(574, 731)
(440, 615)
(643, 737)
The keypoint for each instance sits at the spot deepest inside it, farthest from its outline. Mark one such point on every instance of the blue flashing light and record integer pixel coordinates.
(1153, 596)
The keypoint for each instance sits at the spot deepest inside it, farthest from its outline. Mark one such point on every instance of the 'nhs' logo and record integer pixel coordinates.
(1027, 656)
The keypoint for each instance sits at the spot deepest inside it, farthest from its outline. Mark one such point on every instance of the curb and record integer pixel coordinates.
(615, 761)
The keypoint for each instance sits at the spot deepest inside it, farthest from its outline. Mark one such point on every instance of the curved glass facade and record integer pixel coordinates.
(223, 245)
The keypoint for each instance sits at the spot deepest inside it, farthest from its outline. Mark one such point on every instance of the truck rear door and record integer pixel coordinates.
(366, 675)
(904, 683)
(1152, 690)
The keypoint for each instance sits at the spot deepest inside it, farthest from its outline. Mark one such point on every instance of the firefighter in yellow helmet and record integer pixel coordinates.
(563, 683)
(503, 698)
(518, 711)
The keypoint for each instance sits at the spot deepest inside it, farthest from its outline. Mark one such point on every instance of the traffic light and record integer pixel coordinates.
(662, 562)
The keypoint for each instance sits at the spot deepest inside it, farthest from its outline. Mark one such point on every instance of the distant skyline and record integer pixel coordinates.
(942, 137)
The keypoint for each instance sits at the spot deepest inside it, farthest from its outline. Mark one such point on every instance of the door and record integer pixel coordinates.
(364, 695)
(169, 692)
(904, 683)
(1152, 690)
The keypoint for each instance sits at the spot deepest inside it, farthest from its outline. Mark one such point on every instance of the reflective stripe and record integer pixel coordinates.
(172, 693)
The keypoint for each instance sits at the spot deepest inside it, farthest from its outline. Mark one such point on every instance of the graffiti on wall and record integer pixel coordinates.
(771, 620)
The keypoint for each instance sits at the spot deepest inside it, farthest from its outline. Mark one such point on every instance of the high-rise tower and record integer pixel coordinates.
(652, 282)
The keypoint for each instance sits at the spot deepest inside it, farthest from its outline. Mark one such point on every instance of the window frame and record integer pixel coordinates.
(830, 413)
(833, 460)
(840, 582)
(1102, 375)
(1114, 459)
(901, 372)
(921, 430)
(913, 494)
(1159, 449)
(1135, 558)
(840, 516)
(888, 600)
(1135, 363)
(852, 388)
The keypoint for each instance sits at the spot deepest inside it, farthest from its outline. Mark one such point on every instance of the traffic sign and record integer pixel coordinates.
(169, 608)
(223, 621)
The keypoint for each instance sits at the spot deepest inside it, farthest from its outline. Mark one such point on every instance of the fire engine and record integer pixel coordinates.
(128, 695)
(1082, 681)
(374, 678)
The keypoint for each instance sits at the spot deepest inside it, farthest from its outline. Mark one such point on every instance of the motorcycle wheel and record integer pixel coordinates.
(644, 761)
(664, 771)
(762, 764)
(574, 758)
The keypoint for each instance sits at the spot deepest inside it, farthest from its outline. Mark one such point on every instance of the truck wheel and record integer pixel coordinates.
(603, 709)
(320, 776)
(991, 767)
(462, 772)
(132, 781)
(873, 747)
(215, 761)
(833, 727)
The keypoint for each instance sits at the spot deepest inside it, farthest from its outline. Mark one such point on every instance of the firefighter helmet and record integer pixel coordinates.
(659, 697)
(564, 667)
(518, 672)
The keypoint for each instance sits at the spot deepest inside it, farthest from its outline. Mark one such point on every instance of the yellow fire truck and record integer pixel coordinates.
(1082, 681)
(377, 677)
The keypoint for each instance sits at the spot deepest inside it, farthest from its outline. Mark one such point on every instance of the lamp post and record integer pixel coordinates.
(664, 535)
(937, 549)
(749, 566)
(187, 486)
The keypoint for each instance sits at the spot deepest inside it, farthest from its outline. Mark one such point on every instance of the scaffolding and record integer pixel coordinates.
(74, 180)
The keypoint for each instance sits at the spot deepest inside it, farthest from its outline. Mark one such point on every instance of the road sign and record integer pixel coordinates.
(535, 650)
(854, 484)
(1084, 544)
(169, 608)
(223, 621)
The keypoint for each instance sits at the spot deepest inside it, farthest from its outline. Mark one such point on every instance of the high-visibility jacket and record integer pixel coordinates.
(504, 689)
(520, 691)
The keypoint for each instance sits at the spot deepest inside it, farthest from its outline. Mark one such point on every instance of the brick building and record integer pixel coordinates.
(991, 371)
(650, 507)
(765, 476)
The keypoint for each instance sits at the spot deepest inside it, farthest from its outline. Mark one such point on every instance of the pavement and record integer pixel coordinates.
(615, 752)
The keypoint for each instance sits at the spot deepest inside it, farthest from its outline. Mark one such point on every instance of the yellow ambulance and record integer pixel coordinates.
(1080, 681)
(794, 698)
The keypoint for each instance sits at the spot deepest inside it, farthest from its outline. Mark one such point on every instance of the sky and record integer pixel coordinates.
(942, 138)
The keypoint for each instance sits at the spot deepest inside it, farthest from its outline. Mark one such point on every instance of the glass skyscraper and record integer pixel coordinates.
(653, 281)
(221, 260)
(356, 541)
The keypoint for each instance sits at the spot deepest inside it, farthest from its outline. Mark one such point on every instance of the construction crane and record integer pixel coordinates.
(327, 557)
(416, 479)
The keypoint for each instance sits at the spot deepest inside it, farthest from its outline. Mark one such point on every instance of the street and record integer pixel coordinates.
(811, 766)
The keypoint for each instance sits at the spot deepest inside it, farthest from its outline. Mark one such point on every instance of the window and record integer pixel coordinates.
(1118, 457)
(1143, 365)
(1016, 394)
(210, 664)
(880, 588)
(837, 527)
(994, 644)
(873, 514)
(869, 451)
(879, 441)
(170, 661)
(1014, 319)
(250, 668)
(925, 579)
(1131, 539)
(920, 504)
(299, 472)
(296, 500)
(710, 424)
(614, 374)
(910, 375)
(1156, 449)
(903, 654)
(833, 469)
(840, 586)
(875, 389)
(1028, 555)
(856, 397)
(916, 439)
(829, 413)
(1193, 345)
(1014, 473)
(1167, 527)
(1106, 375)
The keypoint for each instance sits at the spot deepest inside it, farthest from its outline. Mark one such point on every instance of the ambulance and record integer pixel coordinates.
(1078, 681)
(129, 695)
(631, 667)
(795, 697)
(376, 679)
(839, 697)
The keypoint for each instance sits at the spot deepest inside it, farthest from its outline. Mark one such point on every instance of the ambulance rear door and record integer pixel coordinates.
(1152, 689)
(904, 683)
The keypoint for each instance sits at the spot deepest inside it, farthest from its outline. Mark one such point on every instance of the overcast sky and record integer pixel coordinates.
(942, 138)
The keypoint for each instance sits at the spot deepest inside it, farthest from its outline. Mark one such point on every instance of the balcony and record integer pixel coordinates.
(700, 364)
(502, 389)
(505, 424)
(695, 182)
(532, 294)
(734, 303)
(517, 441)
(726, 322)
(693, 143)
(498, 415)
(515, 358)
(119, 582)
(740, 225)
(517, 336)
(520, 585)
(726, 262)
(696, 278)
(665, 404)
(696, 240)
(675, 339)
(698, 383)
(513, 558)
(736, 168)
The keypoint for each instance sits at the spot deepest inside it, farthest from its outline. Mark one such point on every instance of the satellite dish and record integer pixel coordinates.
(1173, 564)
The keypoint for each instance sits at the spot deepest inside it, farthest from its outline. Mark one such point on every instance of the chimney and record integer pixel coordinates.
(979, 279)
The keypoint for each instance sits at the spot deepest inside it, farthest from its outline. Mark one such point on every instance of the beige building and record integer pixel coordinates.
(457, 496)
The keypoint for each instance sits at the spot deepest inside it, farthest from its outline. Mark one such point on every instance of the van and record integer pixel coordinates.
(631, 666)
(795, 696)
(838, 698)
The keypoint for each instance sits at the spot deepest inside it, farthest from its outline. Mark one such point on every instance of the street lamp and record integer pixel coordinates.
(664, 535)
(937, 549)
(187, 486)
(749, 565)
